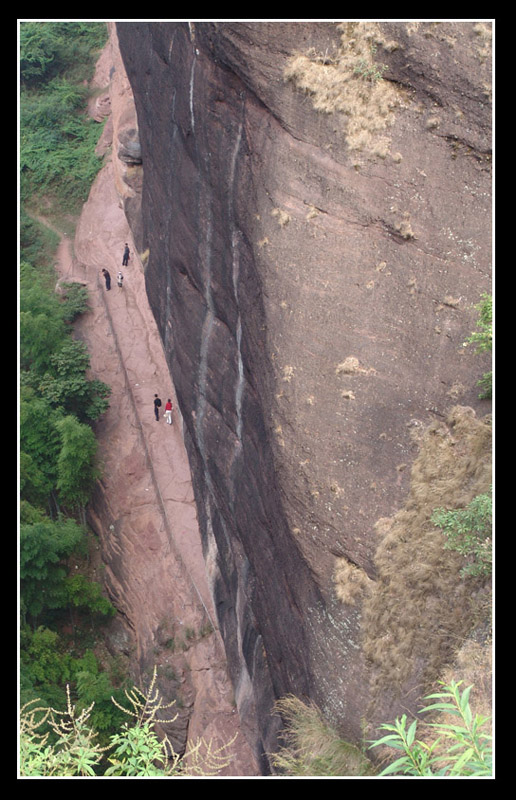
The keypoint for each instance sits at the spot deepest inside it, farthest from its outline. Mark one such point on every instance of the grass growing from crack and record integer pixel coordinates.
(351, 84)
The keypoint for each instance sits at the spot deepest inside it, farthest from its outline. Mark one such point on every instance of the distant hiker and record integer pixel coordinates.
(168, 411)
(125, 259)
(157, 406)
(120, 279)
(107, 278)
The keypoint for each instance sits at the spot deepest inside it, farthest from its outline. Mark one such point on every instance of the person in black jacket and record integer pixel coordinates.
(107, 278)
(125, 259)
(157, 406)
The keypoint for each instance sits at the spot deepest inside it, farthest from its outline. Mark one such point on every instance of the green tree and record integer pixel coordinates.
(57, 161)
(74, 300)
(42, 326)
(57, 142)
(30, 514)
(86, 596)
(51, 48)
(38, 243)
(34, 486)
(66, 386)
(39, 52)
(44, 659)
(44, 547)
(40, 334)
(77, 468)
(40, 444)
(94, 689)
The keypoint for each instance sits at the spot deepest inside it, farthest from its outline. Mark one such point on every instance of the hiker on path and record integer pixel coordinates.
(168, 411)
(157, 406)
(107, 278)
(119, 279)
(125, 259)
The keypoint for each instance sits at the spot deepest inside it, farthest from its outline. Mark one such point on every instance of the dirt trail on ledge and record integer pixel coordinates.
(146, 517)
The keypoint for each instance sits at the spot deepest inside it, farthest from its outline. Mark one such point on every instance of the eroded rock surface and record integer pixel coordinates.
(314, 245)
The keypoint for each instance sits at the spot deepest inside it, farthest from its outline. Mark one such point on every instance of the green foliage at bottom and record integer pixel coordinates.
(65, 743)
(462, 747)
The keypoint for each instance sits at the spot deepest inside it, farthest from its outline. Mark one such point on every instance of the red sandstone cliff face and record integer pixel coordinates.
(144, 511)
(312, 274)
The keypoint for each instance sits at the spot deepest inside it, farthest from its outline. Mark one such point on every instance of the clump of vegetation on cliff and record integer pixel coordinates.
(311, 747)
(350, 82)
(469, 532)
(421, 606)
(482, 338)
(454, 744)
(452, 740)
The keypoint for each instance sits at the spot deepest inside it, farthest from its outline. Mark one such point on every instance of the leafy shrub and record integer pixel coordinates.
(43, 548)
(74, 300)
(50, 48)
(57, 145)
(77, 470)
(469, 531)
(57, 140)
(38, 244)
(66, 386)
(483, 339)
(469, 747)
(42, 327)
(134, 751)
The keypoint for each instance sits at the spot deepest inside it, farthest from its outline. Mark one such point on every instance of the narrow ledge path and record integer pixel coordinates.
(150, 541)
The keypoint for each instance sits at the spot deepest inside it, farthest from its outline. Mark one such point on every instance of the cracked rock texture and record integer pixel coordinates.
(314, 245)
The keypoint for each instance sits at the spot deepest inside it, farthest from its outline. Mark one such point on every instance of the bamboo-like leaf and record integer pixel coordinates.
(464, 700)
(392, 739)
(455, 730)
(462, 760)
(411, 733)
(447, 707)
(395, 766)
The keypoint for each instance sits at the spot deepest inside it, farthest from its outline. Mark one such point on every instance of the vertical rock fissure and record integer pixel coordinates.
(192, 76)
(235, 245)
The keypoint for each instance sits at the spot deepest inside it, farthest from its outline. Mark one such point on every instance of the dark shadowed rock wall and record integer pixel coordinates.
(313, 272)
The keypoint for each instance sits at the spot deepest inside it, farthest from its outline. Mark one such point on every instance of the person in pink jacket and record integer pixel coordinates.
(168, 411)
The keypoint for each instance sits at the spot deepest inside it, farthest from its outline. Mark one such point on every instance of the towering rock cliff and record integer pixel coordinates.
(314, 220)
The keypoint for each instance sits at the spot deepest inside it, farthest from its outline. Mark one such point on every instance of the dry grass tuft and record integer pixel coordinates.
(351, 366)
(312, 747)
(404, 227)
(420, 609)
(351, 582)
(282, 216)
(351, 84)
